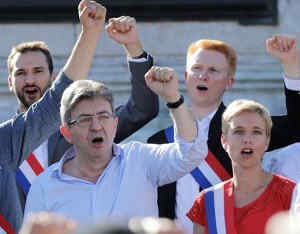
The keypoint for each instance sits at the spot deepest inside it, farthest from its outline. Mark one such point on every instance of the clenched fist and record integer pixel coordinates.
(285, 49)
(123, 31)
(91, 15)
(164, 82)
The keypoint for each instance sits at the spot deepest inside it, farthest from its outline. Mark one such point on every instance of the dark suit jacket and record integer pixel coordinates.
(285, 131)
(140, 109)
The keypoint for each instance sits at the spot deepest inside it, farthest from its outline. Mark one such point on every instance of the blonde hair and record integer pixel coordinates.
(242, 105)
(218, 46)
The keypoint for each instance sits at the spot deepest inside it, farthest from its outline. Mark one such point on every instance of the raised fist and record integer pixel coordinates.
(164, 82)
(282, 47)
(91, 15)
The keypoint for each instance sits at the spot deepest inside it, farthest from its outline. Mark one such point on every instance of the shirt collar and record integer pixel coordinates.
(205, 122)
(70, 154)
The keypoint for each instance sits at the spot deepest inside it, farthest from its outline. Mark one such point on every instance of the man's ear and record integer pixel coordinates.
(230, 82)
(185, 75)
(10, 85)
(66, 133)
(116, 121)
(53, 76)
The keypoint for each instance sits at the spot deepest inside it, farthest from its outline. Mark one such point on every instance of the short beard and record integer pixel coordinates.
(22, 99)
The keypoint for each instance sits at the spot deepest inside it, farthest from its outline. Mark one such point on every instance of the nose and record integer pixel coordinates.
(29, 79)
(202, 75)
(247, 139)
(95, 125)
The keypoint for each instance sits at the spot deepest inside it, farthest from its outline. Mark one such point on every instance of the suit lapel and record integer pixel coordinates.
(214, 139)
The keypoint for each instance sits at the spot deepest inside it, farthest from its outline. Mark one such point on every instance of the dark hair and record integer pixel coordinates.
(28, 47)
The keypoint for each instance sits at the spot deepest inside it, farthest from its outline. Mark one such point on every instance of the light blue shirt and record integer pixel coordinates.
(126, 188)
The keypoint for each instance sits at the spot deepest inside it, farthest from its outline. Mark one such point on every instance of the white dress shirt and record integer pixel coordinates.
(126, 188)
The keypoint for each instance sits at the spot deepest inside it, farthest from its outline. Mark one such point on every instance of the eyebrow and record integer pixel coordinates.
(241, 127)
(23, 69)
(209, 66)
(40, 67)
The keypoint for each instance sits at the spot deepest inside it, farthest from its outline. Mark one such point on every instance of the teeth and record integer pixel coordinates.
(247, 151)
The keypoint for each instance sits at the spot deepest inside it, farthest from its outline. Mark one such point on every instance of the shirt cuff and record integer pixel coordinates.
(138, 60)
(292, 84)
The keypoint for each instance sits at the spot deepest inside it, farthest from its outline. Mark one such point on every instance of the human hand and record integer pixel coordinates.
(164, 82)
(123, 31)
(91, 15)
(285, 49)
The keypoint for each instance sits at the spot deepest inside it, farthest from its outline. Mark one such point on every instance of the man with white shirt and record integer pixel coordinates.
(97, 178)
(210, 70)
(30, 68)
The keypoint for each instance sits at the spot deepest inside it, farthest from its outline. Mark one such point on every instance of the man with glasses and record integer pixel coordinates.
(30, 68)
(210, 70)
(97, 178)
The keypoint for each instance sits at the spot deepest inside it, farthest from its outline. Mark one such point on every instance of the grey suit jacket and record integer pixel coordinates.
(141, 108)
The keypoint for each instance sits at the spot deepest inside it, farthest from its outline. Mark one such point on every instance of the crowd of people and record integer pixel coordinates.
(64, 170)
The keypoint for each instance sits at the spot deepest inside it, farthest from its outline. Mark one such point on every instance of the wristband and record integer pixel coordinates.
(174, 105)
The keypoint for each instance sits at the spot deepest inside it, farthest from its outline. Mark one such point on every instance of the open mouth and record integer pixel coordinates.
(202, 88)
(98, 140)
(247, 152)
(32, 91)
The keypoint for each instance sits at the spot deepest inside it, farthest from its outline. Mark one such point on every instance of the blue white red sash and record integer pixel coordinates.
(5, 227)
(209, 172)
(219, 207)
(34, 165)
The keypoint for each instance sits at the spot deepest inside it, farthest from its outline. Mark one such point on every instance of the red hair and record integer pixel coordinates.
(218, 46)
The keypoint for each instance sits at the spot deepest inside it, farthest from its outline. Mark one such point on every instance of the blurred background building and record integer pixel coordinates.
(166, 28)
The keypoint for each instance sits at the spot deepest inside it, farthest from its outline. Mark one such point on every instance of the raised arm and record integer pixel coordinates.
(43, 119)
(142, 105)
(166, 163)
(286, 129)
(92, 18)
(164, 82)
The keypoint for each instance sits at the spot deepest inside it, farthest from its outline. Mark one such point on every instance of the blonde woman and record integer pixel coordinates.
(244, 203)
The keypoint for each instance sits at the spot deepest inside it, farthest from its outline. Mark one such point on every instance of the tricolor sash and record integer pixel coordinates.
(219, 207)
(209, 172)
(5, 227)
(34, 165)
